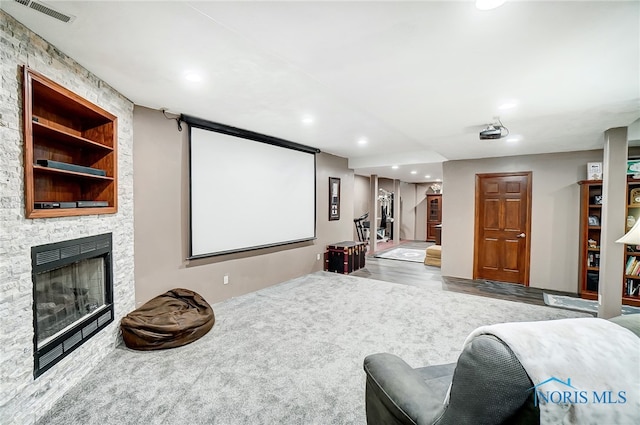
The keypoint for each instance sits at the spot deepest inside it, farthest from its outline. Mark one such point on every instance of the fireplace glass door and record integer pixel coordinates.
(66, 295)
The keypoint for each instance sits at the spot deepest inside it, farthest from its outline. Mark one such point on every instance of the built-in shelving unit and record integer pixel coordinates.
(71, 133)
(590, 216)
(434, 215)
(631, 284)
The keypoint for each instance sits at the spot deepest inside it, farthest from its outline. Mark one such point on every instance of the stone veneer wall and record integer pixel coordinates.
(22, 399)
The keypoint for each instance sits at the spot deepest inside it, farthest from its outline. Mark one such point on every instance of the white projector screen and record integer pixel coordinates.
(248, 194)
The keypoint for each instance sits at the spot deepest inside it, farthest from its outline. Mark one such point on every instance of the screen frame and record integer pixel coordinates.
(194, 122)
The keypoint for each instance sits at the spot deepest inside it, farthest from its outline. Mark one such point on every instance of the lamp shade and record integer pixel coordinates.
(633, 236)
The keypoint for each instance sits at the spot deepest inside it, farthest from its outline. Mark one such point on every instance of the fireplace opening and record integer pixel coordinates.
(73, 296)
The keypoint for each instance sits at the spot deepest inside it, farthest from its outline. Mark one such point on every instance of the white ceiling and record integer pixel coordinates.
(414, 79)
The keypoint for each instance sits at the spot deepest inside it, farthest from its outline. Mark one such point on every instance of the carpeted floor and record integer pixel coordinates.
(288, 354)
(404, 254)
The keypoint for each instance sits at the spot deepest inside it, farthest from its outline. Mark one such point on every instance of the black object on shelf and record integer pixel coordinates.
(71, 167)
(92, 204)
(592, 281)
(50, 205)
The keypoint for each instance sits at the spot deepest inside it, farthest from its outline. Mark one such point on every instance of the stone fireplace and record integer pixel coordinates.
(25, 398)
(73, 296)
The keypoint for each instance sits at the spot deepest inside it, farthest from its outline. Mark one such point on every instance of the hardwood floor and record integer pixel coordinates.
(420, 275)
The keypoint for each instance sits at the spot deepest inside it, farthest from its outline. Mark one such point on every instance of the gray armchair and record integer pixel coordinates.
(488, 386)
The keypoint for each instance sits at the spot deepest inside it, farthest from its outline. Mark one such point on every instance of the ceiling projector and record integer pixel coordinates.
(493, 131)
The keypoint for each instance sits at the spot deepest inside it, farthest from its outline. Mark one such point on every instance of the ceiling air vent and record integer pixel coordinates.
(47, 10)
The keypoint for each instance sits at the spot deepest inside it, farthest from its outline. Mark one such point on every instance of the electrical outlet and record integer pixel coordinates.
(225, 279)
(318, 257)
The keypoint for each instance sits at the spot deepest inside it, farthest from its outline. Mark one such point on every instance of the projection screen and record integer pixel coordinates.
(248, 190)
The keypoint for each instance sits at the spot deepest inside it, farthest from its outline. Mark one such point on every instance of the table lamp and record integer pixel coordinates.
(632, 237)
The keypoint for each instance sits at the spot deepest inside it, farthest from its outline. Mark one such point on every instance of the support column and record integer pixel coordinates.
(373, 213)
(614, 184)
(396, 212)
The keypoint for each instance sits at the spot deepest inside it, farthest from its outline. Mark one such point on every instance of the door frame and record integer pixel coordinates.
(476, 232)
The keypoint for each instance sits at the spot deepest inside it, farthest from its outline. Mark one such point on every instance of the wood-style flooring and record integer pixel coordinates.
(418, 274)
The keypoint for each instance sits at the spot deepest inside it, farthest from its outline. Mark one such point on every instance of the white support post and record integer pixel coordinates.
(373, 213)
(614, 189)
(396, 212)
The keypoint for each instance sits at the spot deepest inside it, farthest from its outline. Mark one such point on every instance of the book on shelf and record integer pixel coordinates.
(632, 264)
(632, 287)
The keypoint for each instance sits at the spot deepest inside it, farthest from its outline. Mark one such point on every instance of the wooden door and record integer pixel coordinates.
(502, 227)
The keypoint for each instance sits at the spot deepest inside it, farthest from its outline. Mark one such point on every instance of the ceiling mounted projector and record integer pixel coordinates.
(491, 132)
(494, 131)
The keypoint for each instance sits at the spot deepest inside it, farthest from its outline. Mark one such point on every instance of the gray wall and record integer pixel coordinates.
(162, 220)
(24, 399)
(554, 222)
(408, 205)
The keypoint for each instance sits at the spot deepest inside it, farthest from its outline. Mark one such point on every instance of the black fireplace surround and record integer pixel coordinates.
(72, 296)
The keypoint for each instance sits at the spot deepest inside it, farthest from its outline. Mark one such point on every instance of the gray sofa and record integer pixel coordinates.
(488, 386)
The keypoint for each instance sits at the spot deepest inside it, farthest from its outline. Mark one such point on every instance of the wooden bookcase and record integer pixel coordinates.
(434, 215)
(631, 284)
(590, 216)
(63, 127)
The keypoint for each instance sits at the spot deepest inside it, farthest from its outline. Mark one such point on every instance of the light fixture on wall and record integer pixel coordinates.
(632, 237)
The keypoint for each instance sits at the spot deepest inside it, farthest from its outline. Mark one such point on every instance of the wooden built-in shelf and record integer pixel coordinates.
(61, 126)
(589, 189)
(54, 135)
(41, 169)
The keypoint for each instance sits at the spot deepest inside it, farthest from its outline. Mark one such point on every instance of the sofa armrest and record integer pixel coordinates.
(398, 394)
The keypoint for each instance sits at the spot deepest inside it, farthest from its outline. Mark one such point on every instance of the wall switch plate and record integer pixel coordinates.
(225, 280)
(318, 257)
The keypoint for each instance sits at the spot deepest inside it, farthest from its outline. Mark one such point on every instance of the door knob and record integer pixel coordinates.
(521, 235)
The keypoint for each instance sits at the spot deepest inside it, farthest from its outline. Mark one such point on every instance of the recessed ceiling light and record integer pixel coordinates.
(488, 4)
(427, 176)
(414, 172)
(362, 142)
(395, 167)
(507, 105)
(307, 120)
(192, 77)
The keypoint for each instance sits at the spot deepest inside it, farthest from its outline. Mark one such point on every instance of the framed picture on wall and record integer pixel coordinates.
(334, 198)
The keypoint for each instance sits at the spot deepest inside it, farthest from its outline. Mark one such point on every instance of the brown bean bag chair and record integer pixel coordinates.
(175, 318)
